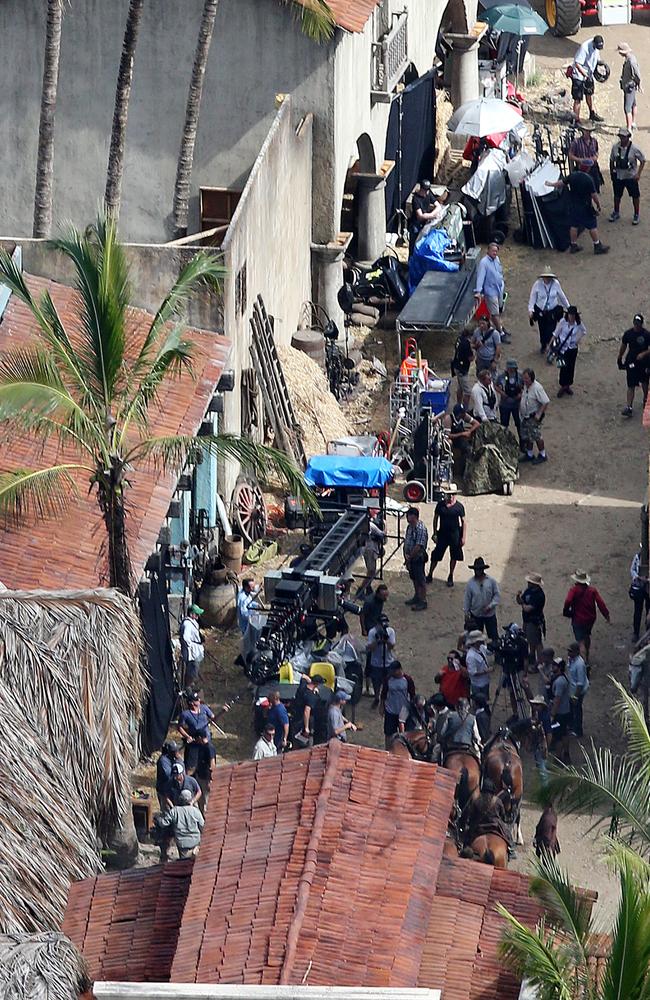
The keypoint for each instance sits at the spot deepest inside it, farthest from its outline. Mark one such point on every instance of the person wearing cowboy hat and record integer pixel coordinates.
(449, 531)
(626, 163)
(546, 304)
(580, 606)
(479, 667)
(630, 83)
(509, 385)
(481, 600)
(540, 734)
(583, 154)
(532, 601)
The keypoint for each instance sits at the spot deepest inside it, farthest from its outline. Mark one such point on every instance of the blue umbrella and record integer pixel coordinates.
(515, 19)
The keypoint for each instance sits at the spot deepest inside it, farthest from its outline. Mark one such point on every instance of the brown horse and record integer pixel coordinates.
(488, 848)
(502, 765)
(416, 745)
(468, 776)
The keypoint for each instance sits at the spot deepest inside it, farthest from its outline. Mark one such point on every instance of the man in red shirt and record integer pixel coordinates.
(580, 606)
(453, 679)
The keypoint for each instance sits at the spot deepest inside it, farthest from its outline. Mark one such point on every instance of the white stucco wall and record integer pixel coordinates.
(271, 233)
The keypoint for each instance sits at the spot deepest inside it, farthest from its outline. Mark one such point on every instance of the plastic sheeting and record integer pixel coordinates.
(350, 471)
(428, 255)
(487, 185)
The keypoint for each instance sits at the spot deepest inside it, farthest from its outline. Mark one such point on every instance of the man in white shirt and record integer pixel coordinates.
(478, 665)
(192, 649)
(582, 86)
(545, 304)
(483, 399)
(246, 603)
(532, 407)
(265, 746)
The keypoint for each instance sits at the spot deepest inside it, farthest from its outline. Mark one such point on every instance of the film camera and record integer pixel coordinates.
(511, 649)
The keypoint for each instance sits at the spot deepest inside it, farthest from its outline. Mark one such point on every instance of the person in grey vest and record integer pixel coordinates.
(460, 729)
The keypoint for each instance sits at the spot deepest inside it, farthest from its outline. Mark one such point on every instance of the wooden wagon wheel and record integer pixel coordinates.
(249, 510)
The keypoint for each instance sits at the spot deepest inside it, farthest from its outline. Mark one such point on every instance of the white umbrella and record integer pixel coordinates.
(484, 117)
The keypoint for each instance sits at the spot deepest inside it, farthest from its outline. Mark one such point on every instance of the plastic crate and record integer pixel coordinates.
(437, 400)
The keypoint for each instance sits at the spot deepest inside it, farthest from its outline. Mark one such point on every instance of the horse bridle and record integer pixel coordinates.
(415, 754)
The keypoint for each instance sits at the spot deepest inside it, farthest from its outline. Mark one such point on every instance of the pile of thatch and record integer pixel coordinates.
(71, 690)
(41, 967)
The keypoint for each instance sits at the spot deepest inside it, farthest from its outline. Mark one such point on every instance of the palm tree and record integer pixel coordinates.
(87, 393)
(45, 156)
(120, 114)
(557, 959)
(316, 21)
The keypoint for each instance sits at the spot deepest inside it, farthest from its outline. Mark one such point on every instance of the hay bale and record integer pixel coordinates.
(318, 413)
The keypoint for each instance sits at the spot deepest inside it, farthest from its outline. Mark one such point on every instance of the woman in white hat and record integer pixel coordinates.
(546, 305)
(568, 334)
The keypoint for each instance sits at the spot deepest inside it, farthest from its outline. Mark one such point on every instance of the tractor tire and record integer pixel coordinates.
(564, 17)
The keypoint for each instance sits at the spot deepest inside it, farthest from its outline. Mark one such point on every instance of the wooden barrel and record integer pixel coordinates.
(232, 552)
(311, 342)
(219, 604)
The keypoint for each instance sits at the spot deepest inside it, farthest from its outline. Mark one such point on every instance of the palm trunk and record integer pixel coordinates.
(188, 142)
(45, 160)
(111, 502)
(120, 114)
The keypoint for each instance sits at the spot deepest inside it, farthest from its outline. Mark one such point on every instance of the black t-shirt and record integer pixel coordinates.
(581, 187)
(425, 203)
(372, 612)
(449, 517)
(463, 355)
(636, 341)
(536, 598)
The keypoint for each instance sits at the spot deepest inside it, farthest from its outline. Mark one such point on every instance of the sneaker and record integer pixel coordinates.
(633, 127)
(600, 248)
(430, 578)
(420, 606)
(575, 248)
(525, 457)
(412, 600)
(627, 411)
(568, 390)
(636, 220)
(540, 459)
(615, 216)
(593, 117)
(450, 582)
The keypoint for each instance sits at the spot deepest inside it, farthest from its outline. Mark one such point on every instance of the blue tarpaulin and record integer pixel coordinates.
(428, 255)
(348, 470)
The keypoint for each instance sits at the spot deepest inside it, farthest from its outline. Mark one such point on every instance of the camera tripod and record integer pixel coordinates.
(520, 699)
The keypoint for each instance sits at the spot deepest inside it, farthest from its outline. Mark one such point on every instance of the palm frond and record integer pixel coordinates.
(619, 855)
(174, 452)
(201, 270)
(44, 491)
(630, 711)
(173, 356)
(611, 788)
(315, 18)
(628, 963)
(552, 886)
(535, 956)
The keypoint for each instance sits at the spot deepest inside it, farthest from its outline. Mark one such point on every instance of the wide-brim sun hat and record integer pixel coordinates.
(474, 636)
(581, 576)
(548, 272)
(534, 578)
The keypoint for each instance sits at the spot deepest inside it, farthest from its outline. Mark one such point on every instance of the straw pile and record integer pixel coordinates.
(318, 413)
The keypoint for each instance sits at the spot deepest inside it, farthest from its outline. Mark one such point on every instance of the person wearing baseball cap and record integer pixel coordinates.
(626, 163)
(546, 303)
(634, 360)
(630, 83)
(192, 648)
(585, 61)
(337, 725)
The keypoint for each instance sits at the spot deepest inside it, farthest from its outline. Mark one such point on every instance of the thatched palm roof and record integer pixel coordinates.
(71, 689)
(41, 967)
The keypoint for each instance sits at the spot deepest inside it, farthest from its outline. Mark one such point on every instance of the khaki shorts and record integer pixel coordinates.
(494, 304)
(531, 429)
(464, 383)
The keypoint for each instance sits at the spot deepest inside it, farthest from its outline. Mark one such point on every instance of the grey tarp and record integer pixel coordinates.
(492, 460)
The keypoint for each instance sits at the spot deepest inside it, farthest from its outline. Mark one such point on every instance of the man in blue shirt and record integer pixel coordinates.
(279, 718)
(246, 603)
(169, 756)
(490, 286)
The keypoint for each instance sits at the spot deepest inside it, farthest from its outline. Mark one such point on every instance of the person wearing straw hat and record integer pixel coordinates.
(626, 163)
(583, 154)
(449, 531)
(546, 304)
(630, 83)
(580, 606)
(532, 601)
(479, 667)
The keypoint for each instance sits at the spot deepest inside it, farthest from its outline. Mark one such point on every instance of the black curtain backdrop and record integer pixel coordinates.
(410, 142)
(160, 662)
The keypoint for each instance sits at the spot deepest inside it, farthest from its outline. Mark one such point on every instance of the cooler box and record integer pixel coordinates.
(436, 398)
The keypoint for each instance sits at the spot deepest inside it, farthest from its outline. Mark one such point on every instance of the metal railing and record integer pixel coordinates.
(390, 57)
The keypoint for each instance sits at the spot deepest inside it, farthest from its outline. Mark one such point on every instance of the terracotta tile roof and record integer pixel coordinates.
(352, 15)
(68, 552)
(126, 923)
(316, 868)
(460, 955)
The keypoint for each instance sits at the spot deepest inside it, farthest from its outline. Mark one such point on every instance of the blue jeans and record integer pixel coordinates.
(541, 765)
